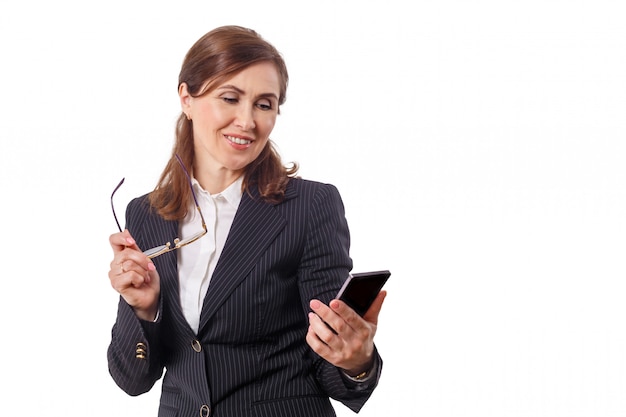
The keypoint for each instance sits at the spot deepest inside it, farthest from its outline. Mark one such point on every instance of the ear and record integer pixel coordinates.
(185, 98)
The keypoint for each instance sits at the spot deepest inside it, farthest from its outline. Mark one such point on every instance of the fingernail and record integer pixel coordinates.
(315, 304)
(151, 267)
(130, 240)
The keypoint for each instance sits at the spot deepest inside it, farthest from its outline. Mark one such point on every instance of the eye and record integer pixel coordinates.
(264, 104)
(230, 98)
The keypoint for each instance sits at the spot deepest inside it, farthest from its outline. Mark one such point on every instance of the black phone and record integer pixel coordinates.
(360, 289)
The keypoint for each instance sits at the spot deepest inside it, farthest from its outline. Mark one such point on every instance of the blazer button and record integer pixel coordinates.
(140, 351)
(195, 344)
(205, 411)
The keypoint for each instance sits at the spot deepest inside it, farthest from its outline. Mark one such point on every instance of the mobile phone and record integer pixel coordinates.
(359, 290)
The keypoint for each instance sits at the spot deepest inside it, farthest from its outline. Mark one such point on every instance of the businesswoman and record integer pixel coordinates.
(227, 270)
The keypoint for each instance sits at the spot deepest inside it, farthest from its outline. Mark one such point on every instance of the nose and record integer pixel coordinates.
(245, 118)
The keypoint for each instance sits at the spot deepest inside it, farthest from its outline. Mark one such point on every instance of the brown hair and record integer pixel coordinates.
(217, 56)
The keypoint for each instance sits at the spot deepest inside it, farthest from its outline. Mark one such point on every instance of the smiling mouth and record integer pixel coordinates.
(238, 141)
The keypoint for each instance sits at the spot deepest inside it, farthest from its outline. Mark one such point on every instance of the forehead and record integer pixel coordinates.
(261, 77)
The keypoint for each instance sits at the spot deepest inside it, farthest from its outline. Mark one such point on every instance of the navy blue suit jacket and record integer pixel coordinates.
(250, 357)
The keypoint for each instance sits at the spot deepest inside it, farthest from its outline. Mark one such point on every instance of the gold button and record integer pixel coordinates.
(196, 345)
(140, 351)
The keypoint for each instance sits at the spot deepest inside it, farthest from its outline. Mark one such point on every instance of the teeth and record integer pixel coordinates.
(238, 141)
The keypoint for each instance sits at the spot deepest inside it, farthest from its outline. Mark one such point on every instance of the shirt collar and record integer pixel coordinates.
(232, 194)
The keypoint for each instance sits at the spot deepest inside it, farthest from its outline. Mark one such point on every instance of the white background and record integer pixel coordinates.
(479, 147)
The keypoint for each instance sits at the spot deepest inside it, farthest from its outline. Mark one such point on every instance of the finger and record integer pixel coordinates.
(131, 267)
(322, 340)
(322, 330)
(121, 240)
(140, 269)
(123, 281)
(372, 313)
(316, 344)
(138, 280)
(347, 314)
(330, 317)
(125, 258)
(139, 290)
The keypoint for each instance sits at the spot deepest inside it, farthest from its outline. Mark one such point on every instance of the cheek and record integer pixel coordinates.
(210, 117)
(267, 125)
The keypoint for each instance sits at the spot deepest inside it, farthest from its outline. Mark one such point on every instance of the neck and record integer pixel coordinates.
(216, 181)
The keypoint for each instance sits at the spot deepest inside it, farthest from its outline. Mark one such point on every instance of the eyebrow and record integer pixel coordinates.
(240, 91)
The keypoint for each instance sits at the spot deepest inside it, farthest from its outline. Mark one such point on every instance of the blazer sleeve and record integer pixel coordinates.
(133, 354)
(325, 265)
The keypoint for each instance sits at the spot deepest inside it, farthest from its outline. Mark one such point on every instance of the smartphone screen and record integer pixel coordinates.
(360, 289)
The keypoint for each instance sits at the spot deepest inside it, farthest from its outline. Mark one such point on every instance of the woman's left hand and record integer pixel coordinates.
(351, 345)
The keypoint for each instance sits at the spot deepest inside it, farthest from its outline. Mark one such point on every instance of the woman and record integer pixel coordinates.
(241, 315)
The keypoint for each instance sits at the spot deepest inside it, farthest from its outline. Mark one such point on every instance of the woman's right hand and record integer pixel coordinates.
(134, 276)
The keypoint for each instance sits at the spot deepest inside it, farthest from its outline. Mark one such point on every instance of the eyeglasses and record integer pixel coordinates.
(178, 243)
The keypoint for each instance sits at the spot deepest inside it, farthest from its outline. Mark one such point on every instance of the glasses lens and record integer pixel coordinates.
(191, 239)
(151, 253)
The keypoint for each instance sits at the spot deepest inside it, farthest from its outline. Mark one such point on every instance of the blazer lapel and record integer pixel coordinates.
(255, 226)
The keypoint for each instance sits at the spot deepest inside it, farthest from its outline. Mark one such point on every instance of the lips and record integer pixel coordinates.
(238, 141)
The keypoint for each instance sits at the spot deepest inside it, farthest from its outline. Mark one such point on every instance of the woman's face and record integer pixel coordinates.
(232, 123)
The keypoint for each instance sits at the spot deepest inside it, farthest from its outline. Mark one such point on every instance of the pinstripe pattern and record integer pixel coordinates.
(254, 360)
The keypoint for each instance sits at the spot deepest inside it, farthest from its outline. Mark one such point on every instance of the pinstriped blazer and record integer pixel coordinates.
(250, 357)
